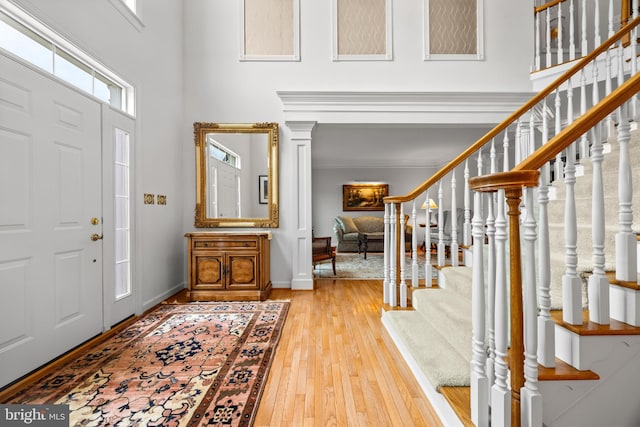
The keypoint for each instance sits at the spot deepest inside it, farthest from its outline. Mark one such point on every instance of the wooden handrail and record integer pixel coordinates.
(509, 120)
(581, 125)
(547, 5)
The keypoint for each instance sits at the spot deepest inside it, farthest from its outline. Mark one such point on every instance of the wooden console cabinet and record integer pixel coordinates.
(229, 266)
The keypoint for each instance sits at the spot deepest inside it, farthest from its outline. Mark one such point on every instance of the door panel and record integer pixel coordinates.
(50, 187)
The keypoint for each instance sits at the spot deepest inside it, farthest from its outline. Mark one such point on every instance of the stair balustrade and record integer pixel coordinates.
(515, 201)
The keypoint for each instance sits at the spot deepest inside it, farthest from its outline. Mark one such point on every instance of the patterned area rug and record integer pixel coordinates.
(180, 365)
(354, 266)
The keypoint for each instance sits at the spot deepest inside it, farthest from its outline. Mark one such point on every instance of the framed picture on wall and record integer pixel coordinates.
(263, 189)
(364, 197)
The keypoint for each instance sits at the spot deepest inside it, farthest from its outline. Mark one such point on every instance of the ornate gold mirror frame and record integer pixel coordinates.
(236, 175)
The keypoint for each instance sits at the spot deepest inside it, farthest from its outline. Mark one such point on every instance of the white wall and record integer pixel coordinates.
(220, 88)
(151, 60)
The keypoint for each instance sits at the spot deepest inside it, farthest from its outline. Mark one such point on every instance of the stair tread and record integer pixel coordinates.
(611, 275)
(589, 328)
(459, 398)
(563, 371)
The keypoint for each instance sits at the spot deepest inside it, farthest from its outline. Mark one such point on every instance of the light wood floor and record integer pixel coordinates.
(336, 365)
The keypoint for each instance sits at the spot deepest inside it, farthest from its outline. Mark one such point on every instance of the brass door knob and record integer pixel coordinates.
(95, 237)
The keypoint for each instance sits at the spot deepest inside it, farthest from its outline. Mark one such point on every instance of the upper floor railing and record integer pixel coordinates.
(568, 29)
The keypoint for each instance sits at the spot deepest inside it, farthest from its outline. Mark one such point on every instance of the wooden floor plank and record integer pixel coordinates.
(335, 363)
(355, 375)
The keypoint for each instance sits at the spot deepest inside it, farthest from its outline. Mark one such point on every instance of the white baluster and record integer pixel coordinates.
(453, 250)
(611, 23)
(584, 143)
(414, 247)
(479, 381)
(608, 87)
(403, 253)
(571, 283)
(558, 128)
(505, 151)
(500, 395)
(546, 325)
(626, 261)
(428, 268)
(560, 35)
(584, 46)
(598, 282)
(596, 17)
(634, 61)
(530, 395)
(393, 282)
(548, 55)
(518, 142)
(572, 31)
(491, 275)
(440, 225)
(387, 251)
(537, 57)
(467, 206)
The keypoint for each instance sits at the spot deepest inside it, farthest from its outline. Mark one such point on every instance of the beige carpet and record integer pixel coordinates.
(354, 266)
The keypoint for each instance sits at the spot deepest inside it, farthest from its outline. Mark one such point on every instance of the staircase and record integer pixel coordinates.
(510, 335)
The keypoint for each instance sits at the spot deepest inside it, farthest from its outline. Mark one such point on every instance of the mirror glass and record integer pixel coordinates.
(236, 174)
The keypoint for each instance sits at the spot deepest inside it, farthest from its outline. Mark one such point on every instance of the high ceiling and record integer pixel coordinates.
(363, 146)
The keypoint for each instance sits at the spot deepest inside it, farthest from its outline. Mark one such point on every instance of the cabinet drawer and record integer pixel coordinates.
(225, 244)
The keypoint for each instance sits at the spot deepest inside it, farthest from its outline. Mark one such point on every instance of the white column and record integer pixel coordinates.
(571, 283)
(479, 381)
(414, 246)
(572, 31)
(387, 251)
(403, 254)
(440, 225)
(491, 274)
(560, 36)
(428, 268)
(393, 294)
(453, 218)
(537, 41)
(548, 40)
(598, 282)
(466, 235)
(302, 269)
(500, 394)
(596, 17)
(626, 243)
(531, 399)
(546, 325)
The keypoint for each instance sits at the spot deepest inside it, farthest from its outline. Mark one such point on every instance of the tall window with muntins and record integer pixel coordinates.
(269, 30)
(453, 29)
(362, 30)
(47, 53)
(122, 215)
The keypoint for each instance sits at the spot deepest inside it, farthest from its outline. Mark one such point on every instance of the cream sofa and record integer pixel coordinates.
(347, 228)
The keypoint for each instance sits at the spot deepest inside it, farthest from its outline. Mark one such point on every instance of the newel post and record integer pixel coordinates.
(516, 359)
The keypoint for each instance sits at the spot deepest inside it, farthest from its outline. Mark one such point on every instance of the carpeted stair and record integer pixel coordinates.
(583, 198)
(437, 333)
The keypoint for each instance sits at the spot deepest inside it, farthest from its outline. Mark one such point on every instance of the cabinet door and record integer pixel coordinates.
(207, 271)
(242, 271)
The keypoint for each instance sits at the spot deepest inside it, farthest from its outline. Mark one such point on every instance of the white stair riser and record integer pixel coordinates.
(625, 305)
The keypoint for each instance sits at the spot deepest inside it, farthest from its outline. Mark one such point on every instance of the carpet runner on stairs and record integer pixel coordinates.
(438, 332)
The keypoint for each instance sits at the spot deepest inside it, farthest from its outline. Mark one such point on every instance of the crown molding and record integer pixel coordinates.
(437, 108)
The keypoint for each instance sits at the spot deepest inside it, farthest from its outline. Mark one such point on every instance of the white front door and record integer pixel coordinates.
(50, 193)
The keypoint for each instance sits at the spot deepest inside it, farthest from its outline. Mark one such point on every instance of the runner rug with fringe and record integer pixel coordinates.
(179, 365)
